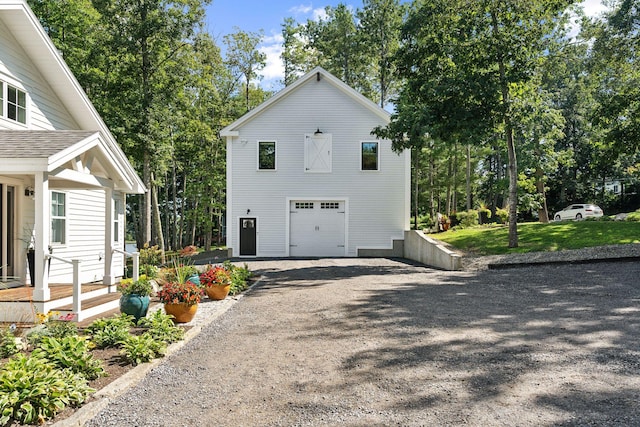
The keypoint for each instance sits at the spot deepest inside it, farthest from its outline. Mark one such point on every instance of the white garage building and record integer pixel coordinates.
(305, 177)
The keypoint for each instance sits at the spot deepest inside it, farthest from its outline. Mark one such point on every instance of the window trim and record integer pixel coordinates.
(117, 223)
(63, 218)
(5, 86)
(275, 155)
(362, 143)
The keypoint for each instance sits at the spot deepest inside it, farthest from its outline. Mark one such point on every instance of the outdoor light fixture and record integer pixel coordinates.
(318, 132)
(248, 211)
(29, 192)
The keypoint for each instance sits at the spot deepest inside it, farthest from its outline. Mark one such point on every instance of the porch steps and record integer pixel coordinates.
(95, 306)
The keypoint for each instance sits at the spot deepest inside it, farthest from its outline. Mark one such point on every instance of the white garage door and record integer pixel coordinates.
(317, 228)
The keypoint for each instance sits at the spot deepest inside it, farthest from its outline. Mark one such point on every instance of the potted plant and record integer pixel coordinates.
(135, 296)
(180, 300)
(216, 282)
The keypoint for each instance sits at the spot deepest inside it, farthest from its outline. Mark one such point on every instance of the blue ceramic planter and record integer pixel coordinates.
(134, 305)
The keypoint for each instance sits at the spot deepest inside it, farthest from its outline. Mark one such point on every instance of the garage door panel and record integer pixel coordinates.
(317, 228)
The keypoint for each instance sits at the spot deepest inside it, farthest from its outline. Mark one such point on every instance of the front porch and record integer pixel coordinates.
(17, 305)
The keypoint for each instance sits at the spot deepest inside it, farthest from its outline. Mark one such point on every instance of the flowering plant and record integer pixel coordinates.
(180, 293)
(215, 276)
(141, 287)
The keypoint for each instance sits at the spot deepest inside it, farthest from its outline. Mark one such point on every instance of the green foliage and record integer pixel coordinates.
(71, 352)
(467, 219)
(51, 328)
(33, 389)
(150, 255)
(633, 216)
(150, 271)
(503, 215)
(239, 277)
(8, 343)
(554, 236)
(137, 349)
(109, 332)
(161, 327)
(141, 287)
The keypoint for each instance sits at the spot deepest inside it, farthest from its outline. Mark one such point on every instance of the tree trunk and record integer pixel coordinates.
(145, 208)
(511, 149)
(543, 212)
(468, 177)
(158, 223)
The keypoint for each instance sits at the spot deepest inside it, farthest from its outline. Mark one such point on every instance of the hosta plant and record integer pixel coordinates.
(33, 390)
(161, 327)
(110, 331)
(137, 349)
(71, 352)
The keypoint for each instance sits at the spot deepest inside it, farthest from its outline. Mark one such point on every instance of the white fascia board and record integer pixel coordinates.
(24, 166)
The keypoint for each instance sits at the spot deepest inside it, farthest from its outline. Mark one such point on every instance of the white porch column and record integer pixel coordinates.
(109, 278)
(41, 291)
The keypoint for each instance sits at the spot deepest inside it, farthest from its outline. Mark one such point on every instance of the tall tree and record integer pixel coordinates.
(296, 53)
(379, 29)
(244, 57)
(462, 60)
(145, 37)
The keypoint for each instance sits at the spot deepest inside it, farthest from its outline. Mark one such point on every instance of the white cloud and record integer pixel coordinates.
(301, 9)
(593, 8)
(319, 14)
(273, 71)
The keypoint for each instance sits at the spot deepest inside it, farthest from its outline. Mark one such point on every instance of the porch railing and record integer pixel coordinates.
(77, 285)
(135, 256)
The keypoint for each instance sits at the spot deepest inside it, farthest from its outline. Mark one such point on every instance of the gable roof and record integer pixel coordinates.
(26, 28)
(82, 158)
(318, 73)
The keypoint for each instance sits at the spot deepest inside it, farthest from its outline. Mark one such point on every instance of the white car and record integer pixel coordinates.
(579, 211)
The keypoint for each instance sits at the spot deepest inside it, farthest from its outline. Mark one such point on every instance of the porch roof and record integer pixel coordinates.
(79, 157)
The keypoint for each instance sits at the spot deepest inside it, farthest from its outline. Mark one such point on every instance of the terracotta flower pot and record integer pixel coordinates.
(217, 292)
(182, 313)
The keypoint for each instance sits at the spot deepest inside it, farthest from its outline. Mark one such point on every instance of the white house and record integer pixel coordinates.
(63, 177)
(306, 178)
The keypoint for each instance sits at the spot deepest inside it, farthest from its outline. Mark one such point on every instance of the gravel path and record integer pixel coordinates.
(376, 342)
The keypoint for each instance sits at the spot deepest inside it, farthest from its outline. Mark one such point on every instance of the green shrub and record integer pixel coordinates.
(149, 270)
(150, 255)
(110, 331)
(503, 215)
(633, 216)
(161, 327)
(8, 343)
(467, 219)
(51, 328)
(239, 277)
(141, 349)
(33, 389)
(71, 352)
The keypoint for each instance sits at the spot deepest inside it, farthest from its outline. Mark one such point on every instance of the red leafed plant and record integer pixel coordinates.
(180, 293)
(215, 276)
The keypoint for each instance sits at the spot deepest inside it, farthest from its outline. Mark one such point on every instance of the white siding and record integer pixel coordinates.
(85, 239)
(44, 111)
(377, 212)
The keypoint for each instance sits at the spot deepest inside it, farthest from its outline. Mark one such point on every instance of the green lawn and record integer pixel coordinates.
(533, 237)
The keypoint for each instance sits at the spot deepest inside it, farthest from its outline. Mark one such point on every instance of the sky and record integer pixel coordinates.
(268, 15)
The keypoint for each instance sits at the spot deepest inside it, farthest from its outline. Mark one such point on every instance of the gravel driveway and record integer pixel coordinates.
(376, 342)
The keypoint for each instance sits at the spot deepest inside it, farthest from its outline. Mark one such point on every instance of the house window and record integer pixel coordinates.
(58, 217)
(369, 156)
(116, 220)
(330, 205)
(266, 155)
(16, 104)
(304, 205)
